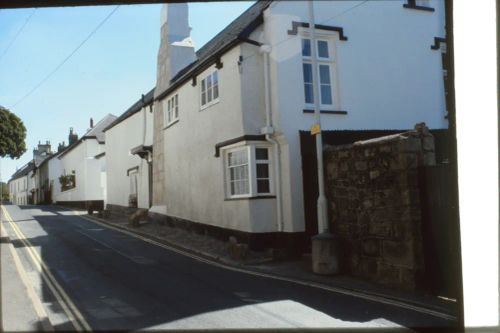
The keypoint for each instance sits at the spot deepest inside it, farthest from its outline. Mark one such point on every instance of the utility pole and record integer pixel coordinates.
(324, 244)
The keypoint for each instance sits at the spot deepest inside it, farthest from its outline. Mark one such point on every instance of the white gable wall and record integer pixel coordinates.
(120, 139)
(387, 76)
(89, 182)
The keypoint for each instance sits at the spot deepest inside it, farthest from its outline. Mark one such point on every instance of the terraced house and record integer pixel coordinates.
(228, 118)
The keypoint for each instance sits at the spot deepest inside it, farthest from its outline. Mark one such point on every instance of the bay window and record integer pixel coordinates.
(248, 172)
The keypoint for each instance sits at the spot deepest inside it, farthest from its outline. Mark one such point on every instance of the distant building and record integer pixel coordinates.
(77, 176)
(21, 185)
(129, 141)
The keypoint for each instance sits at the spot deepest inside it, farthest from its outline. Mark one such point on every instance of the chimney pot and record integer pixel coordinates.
(91, 123)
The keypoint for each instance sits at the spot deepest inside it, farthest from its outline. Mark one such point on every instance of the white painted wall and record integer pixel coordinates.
(18, 191)
(387, 75)
(120, 139)
(194, 177)
(55, 172)
(89, 182)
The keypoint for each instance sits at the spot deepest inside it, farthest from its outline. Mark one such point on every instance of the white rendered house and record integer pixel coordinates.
(21, 184)
(129, 141)
(227, 119)
(78, 178)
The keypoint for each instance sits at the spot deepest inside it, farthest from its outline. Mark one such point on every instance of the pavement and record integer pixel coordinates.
(96, 276)
(19, 307)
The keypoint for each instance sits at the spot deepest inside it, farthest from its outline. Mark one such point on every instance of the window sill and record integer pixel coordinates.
(206, 106)
(326, 111)
(252, 198)
(427, 9)
(68, 189)
(171, 123)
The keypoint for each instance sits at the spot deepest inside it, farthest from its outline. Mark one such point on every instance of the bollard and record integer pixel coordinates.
(325, 254)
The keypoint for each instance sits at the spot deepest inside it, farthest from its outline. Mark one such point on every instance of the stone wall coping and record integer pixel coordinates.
(379, 140)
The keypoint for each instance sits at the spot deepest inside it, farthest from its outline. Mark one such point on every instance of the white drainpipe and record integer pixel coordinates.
(269, 131)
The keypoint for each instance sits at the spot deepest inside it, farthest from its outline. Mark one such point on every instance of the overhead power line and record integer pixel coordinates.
(48, 76)
(17, 34)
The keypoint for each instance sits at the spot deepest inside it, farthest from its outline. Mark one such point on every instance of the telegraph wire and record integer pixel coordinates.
(67, 58)
(17, 34)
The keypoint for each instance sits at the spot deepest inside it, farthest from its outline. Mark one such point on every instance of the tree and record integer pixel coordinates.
(12, 135)
(4, 191)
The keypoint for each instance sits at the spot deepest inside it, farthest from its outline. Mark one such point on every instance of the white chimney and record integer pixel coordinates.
(176, 47)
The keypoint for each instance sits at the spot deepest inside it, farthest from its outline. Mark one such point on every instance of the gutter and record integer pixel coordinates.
(269, 133)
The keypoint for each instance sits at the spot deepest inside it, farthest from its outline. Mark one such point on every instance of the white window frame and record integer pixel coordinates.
(170, 110)
(423, 3)
(203, 83)
(250, 149)
(332, 62)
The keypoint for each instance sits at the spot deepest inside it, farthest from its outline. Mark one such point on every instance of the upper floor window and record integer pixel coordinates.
(210, 89)
(325, 70)
(171, 109)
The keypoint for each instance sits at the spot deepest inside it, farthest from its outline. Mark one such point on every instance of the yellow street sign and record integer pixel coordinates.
(315, 129)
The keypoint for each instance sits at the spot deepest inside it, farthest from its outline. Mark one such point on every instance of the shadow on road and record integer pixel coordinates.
(122, 283)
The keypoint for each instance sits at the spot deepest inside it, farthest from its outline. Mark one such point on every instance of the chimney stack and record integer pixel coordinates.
(73, 137)
(176, 47)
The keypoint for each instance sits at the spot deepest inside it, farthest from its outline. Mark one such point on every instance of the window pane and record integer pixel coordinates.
(326, 94)
(263, 186)
(215, 85)
(215, 77)
(203, 98)
(209, 88)
(307, 69)
(262, 170)
(323, 49)
(306, 47)
(176, 106)
(324, 74)
(308, 91)
(216, 91)
(261, 153)
(203, 85)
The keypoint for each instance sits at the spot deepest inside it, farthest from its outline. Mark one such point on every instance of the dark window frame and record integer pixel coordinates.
(411, 4)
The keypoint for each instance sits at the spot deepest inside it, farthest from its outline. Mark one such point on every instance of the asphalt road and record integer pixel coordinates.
(119, 282)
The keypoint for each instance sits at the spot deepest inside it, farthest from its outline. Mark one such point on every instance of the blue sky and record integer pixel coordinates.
(107, 74)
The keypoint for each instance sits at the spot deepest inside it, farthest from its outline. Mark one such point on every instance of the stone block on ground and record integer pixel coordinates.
(139, 215)
(237, 251)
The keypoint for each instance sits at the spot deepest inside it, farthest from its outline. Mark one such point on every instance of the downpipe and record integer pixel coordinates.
(269, 132)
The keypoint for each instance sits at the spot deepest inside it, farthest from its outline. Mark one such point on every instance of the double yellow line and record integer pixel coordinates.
(74, 315)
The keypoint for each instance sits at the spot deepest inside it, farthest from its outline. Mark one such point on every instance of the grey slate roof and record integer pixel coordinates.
(23, 171)
(136, 107)
(97, 132)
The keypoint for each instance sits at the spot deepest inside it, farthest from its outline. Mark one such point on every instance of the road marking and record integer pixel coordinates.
(266, 275)
(35, 300)
(74, 315)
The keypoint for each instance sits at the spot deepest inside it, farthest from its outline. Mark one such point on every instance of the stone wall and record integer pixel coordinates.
(374, 205)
